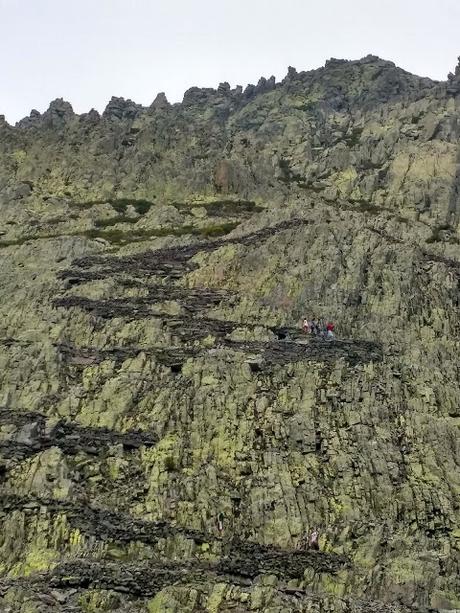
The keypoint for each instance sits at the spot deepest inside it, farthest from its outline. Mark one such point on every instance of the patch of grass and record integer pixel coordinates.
(56, 220)
(284, 165)
(369, 165)
(289, 176)
(312, 187)
(309, 107)
(222, 207)
(142, 206)
(214, 207)
(24, 239)
(170, 464)
(115, 236)
(112, 221)
(120, 205)
(87, 204)
(121, 236)
(11, 243)
(217, 229)
(366, 207)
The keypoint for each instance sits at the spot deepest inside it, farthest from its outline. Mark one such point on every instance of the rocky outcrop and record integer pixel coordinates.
(169, 437)
(30, 433)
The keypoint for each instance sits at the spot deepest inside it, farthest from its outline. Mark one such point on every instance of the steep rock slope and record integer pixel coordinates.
(167, 435)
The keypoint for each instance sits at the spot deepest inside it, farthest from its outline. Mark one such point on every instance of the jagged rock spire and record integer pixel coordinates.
(452, 75)
(453, 80)
(119, 108)
(59, 107)
(160, 101)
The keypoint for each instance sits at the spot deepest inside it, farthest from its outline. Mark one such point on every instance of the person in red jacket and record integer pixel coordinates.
(330, 331)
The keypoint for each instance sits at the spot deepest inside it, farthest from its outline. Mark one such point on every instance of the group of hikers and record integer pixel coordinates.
(319, 327)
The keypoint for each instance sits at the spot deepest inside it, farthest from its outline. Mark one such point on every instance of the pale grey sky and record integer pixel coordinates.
(88, 50)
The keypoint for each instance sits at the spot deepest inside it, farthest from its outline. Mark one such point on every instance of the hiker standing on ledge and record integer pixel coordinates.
(330, 331)
(306, 326)
(313, 540)
(220, 522)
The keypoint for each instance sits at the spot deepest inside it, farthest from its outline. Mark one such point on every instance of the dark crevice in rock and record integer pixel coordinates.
(263, 353)
(87, 356)
(243, 209)
(246, 559)
(190, 299)
(32, 434)
(292, 598)
(241, 566)
(282, 352)
(241, 562)
(108, 309)
(251, 559)
(239, 558)
(268, 352)
(103, 524)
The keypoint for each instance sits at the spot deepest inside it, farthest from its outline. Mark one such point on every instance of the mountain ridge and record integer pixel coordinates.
(263, 83)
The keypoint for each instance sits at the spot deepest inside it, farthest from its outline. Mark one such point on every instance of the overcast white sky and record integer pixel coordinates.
(88, 50)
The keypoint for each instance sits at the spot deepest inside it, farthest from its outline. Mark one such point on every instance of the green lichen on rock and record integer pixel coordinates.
(168, 435)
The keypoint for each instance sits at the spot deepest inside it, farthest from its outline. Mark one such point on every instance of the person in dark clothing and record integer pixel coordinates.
(220, 522)
(322, 328)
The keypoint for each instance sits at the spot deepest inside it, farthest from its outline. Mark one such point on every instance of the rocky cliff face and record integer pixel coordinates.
(167, 435)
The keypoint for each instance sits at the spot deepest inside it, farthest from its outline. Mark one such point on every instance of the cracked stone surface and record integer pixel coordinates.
(169, 437)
